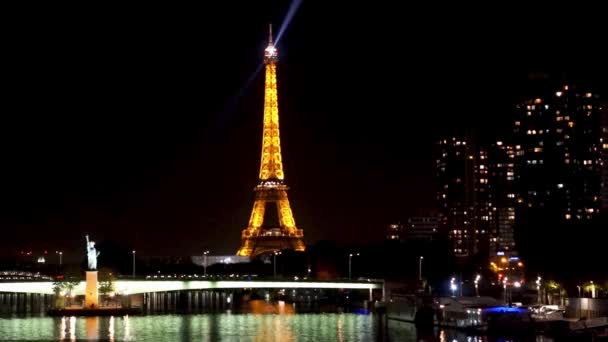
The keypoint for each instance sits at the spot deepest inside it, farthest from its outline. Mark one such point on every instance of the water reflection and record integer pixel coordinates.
(340, 337)
(92, 328)
(272, 326)
(72, 328)
(62, 329)
(127, 336)
(111, 329)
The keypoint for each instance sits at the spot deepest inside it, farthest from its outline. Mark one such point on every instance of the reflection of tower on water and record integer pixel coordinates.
(92, 328)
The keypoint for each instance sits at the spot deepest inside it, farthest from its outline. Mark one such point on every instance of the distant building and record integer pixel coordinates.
(558, 144)
(394, 231)
(476, 196)
(502, 202)
(421, 228)
(200, 260)
(455, 167)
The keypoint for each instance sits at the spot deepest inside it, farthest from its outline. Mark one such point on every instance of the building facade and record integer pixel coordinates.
(455, 174)
(421, 228)
(476, 196)
(558, 154)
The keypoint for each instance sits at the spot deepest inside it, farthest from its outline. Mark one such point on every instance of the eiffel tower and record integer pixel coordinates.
(271, 225)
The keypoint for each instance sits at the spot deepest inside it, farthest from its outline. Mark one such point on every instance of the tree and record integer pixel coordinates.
(64, 288)
(555, 289)
(107, 279)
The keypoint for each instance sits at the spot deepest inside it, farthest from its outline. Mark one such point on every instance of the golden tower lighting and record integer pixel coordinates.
(262, 235)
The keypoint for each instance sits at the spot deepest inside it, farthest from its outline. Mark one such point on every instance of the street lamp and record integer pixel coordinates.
(453, 287)
(504, 286)
(477, 278)
(538, 281)
(133, 263)
(420, 268)
(205, 263)
(350, 256)
(60, 253)
(275, 262)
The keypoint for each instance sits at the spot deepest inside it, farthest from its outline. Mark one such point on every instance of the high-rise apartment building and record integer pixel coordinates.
(558, 147)
(476, 196)
(455, 167)
(501, 163)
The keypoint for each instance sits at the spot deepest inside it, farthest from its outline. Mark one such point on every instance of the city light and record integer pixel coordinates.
(453, 286)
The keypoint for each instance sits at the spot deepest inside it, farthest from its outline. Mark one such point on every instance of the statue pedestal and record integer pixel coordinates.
(91, 300)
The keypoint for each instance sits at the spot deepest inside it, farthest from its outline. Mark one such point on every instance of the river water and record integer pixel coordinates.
(314, 327)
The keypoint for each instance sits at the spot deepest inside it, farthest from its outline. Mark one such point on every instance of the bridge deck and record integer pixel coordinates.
(141, 286)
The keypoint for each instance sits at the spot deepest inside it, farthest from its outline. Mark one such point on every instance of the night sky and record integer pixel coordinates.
(146, 127)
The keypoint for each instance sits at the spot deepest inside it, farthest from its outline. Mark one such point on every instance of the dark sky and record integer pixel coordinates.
(143, 127)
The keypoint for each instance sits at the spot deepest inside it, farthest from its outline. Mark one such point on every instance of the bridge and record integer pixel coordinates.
(128, 287)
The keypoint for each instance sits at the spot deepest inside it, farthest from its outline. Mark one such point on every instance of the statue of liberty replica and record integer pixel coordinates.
(91, 299)
(92, 254)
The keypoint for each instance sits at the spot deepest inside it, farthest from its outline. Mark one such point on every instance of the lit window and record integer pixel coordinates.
(558, 94)
(571, 124)
(588, 95)
(537, 100)
(560, 185)
(538, 149)
(568, 216)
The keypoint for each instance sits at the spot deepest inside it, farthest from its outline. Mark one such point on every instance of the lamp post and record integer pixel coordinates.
(477, 278)
(539, 294)
(453, 286)
(133, 263)
(504, 286)
(350, 256)
(60, 253)
(274, 264)
(205, 263)
(420, 268)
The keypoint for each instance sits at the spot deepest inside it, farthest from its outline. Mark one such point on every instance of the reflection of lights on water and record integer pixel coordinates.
(340, 330)
(72, 328)
(127, 329)
(62, 332)
(111, 329)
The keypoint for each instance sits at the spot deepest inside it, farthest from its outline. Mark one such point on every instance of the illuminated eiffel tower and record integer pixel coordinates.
(271, 225)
